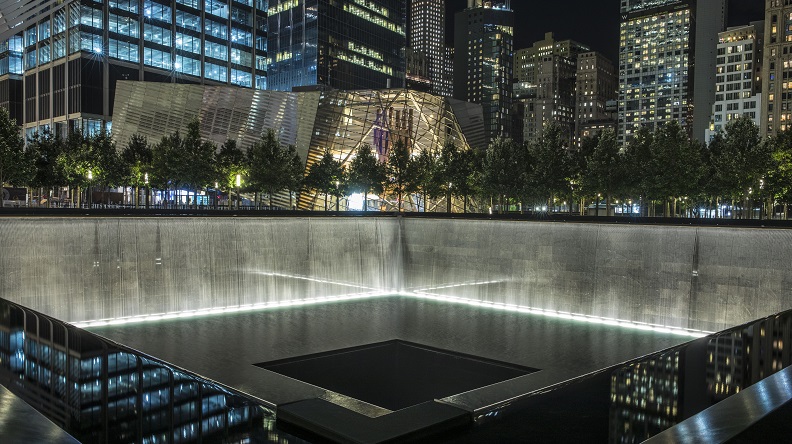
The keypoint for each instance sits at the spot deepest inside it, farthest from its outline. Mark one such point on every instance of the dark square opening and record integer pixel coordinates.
(396, 374)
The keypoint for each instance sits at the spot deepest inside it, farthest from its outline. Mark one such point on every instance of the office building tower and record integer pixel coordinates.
(546, 74)
(66, 56)
(427, 38)
(777, 68)
(597, 85)
(483, 39)
(341, 45)
(738, 77)
(667, 63)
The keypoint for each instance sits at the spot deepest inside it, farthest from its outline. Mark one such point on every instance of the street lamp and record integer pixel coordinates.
(90, 185)
(238, 184)
(146, 183)
(338, 193)
(448, 201)
(216, 191)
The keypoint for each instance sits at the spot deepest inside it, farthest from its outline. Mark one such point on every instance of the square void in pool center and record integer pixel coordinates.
(396, 374)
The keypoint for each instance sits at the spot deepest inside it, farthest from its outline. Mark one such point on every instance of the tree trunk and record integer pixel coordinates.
(464, 204)
(448, 201)
(365, 201)
(325, 201)
(270, 199)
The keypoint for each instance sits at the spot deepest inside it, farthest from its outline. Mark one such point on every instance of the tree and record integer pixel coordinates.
(638, 161)
(137, 157)
(741, 159)
(295, 171)
(104, 160)
(268, 165)
(230, 162)
(605, 168)
(445, 173)
(167, 161)
(47, 152)
(675, 165)
(323, 175)
(366, 173)
(580, 186)
(778, 182)
(16, 166)
(198, 169)
(505, 170)
(398, 171)
(551, 165)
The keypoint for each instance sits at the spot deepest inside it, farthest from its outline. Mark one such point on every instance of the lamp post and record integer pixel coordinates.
(448, 200)
(338, 194)
(215, 195)
(238, 184)
(90, 186)
(146, 183)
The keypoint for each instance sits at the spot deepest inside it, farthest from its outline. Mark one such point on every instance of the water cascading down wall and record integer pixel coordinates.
(705, 278)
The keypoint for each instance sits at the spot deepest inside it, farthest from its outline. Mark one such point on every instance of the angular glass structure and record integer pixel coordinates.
(340, 121)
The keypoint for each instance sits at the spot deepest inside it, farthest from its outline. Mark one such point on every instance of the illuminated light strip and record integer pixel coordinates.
(229, 309)
(320, 281)
(469, 284)
(562, 315)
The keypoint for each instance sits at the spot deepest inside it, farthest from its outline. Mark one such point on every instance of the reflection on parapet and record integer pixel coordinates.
(655, 393)
(741, 357)
(644, 398)
(99, 391)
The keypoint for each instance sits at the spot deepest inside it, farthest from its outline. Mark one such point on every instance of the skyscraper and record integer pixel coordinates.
(738, 73)
(777, 69)
(597, 84)
(343, 45)
(547, 71)
(427, 37)
(62, 59)
(667, 63)
(483, 39)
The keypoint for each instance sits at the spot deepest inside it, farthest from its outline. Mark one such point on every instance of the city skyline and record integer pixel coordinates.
(550, 18)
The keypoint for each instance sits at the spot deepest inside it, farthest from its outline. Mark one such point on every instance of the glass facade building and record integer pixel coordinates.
(427, 37)
(67, 57)
(350, 44)
(483, 61)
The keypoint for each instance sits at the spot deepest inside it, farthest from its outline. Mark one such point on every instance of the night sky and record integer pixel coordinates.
(592, 22)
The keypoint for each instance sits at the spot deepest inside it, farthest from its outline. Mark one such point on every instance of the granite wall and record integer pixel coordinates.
(83, 268)
(79, 269)
(692, 277)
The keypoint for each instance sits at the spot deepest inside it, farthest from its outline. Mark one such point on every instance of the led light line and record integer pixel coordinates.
(229, 309)
(561, 315)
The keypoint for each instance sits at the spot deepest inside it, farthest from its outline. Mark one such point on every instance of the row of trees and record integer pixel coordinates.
(658, 170)
(177, 162)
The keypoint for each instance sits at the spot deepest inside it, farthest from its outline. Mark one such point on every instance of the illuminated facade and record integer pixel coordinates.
(547, 74)
(777, 69)
(738, 88)
(597, 85)
(312, 121)
(427, 37)
(351, 44)
(66, 57)
(658, 79)
(483, 62)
